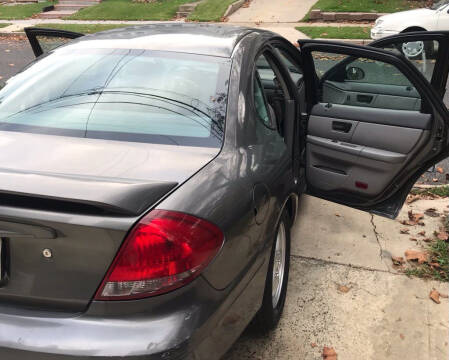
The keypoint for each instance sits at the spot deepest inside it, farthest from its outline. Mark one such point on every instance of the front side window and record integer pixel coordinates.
(362, 82)
(120, 94)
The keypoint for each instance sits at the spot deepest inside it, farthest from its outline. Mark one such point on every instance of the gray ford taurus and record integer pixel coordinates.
(149, 177)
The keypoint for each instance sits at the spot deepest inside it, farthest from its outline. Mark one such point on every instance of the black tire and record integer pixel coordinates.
(268, 316)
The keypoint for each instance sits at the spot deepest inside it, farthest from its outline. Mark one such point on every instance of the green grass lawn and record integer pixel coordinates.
(81, 28)
(383, 6)
(333, 32)
(128, 10)
(21, 11)
(210, 10)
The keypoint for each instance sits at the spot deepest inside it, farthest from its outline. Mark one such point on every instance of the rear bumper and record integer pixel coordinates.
(194, 322)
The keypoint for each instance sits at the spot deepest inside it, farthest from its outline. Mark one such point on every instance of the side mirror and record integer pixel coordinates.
(354, 73)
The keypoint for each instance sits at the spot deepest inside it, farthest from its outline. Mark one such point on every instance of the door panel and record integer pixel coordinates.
(402, 118)
(44, 40)
(367, 152)
(359, 157)
(367, 95)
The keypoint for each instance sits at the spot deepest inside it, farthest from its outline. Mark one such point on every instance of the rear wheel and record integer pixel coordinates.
(277, 278)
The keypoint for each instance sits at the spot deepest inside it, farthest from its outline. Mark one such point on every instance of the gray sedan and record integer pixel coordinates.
(149, 178)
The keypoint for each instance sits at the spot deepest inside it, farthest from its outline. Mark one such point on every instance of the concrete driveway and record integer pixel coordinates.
(384, 315)
(273, 11)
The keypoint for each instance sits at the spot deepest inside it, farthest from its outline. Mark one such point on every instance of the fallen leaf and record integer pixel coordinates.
(422, 233)
(443, 235)
(432, 212)
(337, 215)
(313, 345)
(435, 296)
(415, 217)
(413, 239)
(343, 289)
(435, 180)
(412, 198)
(404, 231)
(440, 170)
(435, 265)
(397, 260)
(329, 353)
(402, 336)
(420, 256)
(427, 240)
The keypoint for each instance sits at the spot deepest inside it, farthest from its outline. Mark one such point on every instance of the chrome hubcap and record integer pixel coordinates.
(279, 265)
(412, 49)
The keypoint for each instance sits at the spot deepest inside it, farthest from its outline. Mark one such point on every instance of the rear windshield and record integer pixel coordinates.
(117, 94)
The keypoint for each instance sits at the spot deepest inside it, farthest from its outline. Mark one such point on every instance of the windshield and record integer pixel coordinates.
(128, 95)
(439, 4)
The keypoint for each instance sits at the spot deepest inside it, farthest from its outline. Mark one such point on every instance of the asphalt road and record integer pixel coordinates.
(16, 53)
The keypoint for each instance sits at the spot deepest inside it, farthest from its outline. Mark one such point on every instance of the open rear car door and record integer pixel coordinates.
(376, 121)
(44, 40)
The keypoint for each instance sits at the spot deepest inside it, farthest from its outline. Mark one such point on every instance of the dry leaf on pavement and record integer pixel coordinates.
(432, 212)
(404, 231)
(343, 289)
(435, 180)
(397, 260)
(422, 233)
(443, 235)
(413, 219)
(314, 345)
(420, 256)
(329, 353)
(440, 170)
(412, 198)
(435, 296)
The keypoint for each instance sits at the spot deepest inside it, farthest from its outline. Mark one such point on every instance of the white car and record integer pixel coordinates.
(431, 19)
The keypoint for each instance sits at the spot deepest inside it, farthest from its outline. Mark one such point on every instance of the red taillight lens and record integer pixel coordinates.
(164, 251)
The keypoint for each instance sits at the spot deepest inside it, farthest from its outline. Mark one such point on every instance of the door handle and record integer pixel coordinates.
(341, 126)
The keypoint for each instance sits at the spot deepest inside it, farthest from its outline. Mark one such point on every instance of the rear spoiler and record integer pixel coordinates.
(80, 194)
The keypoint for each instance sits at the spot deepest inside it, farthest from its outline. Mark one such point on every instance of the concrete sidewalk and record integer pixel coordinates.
(384, 315)
(273, 11)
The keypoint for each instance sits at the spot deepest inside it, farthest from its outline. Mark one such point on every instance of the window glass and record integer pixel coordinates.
(346, 80)
(259, 102)
(130, 95)
(422, 54)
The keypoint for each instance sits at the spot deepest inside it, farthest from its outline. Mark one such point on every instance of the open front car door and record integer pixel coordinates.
(375, 124)
(44, 40)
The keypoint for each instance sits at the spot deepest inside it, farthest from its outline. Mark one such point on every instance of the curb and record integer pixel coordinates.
(12, 34)
(318, 15)
(233, 7)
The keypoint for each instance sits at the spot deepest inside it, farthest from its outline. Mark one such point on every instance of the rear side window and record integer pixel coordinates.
(120, 94)
(361, 82)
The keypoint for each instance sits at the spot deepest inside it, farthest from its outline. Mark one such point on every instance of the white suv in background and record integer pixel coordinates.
(434, 18)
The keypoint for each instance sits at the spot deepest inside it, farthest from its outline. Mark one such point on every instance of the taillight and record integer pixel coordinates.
(164, 251)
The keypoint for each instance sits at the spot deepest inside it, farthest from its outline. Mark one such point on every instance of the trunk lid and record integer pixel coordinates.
(66, 205)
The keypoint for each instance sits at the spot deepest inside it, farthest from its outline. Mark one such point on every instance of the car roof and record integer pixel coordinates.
(194, 38)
